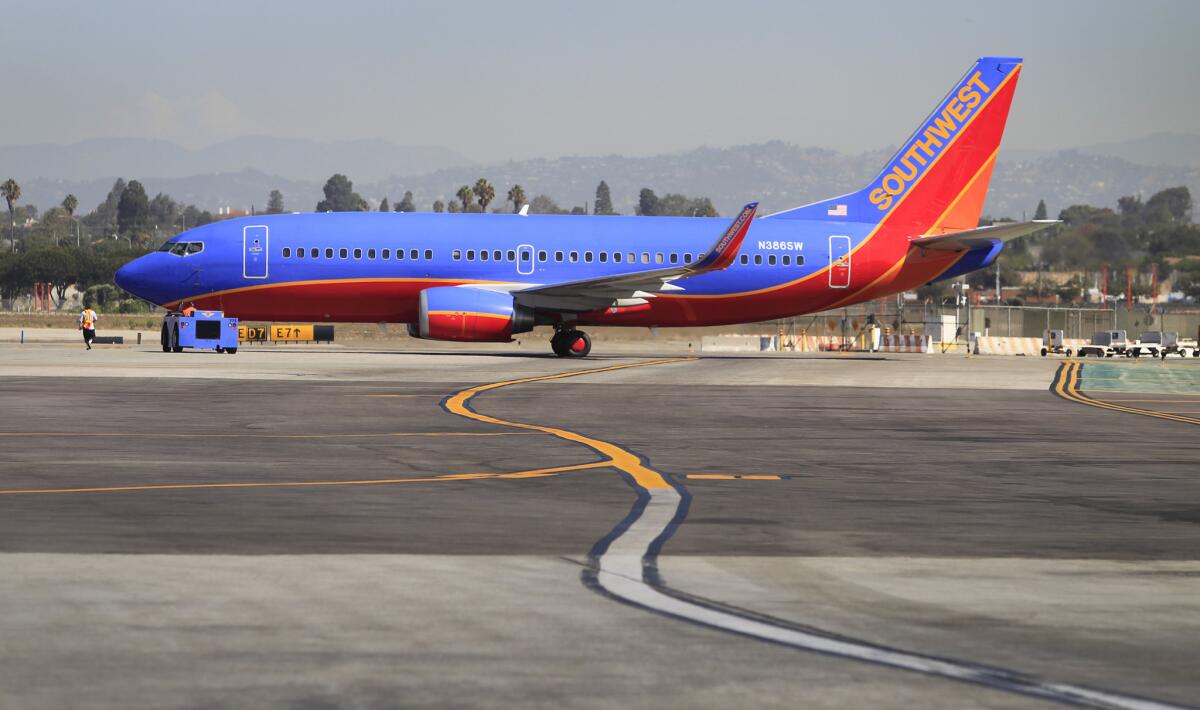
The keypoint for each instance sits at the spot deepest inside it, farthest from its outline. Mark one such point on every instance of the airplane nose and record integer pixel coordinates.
(130, 277)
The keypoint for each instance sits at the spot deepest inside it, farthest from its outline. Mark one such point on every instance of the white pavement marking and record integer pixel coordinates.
(626, 565)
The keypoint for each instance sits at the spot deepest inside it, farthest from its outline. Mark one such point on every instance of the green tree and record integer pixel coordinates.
(439, 206)
(70, 203)
(453, 207)
(516, 195)
(406, 203)
(466, 196)
(275, 202)
(1040, 212)
(485, 192)
(163, 210)
(12, 192)
(384, 206)
(603, 200)
(53, 265)
(133, 208)
(647, 203)
(1170, 206)
(341, 197)
(542, 204)
(15, 278)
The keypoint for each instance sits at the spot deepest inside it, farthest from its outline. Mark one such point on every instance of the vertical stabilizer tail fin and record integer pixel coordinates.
(937, 182)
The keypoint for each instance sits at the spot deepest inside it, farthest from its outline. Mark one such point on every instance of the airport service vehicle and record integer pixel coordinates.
(1106, 343)
(1158, 343)
(488, 277)
(1053, 341)
(204, 330)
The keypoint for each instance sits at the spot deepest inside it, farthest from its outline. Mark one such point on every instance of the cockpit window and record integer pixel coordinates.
(182, 248)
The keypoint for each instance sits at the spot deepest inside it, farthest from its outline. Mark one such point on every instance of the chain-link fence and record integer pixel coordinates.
(947, 321)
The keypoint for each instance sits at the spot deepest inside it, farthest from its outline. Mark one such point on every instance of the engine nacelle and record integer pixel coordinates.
(471, 315)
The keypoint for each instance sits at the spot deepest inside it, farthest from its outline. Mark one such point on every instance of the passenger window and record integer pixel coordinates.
(314, 252)
(483, 254)
(787, 260)
(771, 260)
(542, 256)
(358, 253)
(385, 254)
(343, 253)
(300, 253)
(603, 257)
(632, 257)
(287, 251)
(645, 257)
(428, 253)
(687, 258)
(587, 256)
(470, 255)
(526, 255)
(558, 256)
(574, 257)
(370, 253)
(799, 260)
(414, 254)
(497, 256)
(328, 253)
(758, 259)
(512, 255)
(674, 258)
(399, 255)
(456, 254)
(658, 258)
(745, 259)
(617, 257)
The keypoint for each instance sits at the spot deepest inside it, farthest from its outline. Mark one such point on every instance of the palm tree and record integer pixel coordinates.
(464, 195)
(516, 195)
(12, 192)
(69, 203)
(485, 192)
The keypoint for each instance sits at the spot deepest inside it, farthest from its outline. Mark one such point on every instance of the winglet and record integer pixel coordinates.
(722, 254)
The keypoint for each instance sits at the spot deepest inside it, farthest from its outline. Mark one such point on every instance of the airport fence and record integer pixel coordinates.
(948, 323)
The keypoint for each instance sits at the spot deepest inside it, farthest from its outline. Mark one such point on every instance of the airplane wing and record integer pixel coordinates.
(982, 237)
(635, 287)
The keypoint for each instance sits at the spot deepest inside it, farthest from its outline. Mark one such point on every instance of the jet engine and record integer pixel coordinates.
(468, 314)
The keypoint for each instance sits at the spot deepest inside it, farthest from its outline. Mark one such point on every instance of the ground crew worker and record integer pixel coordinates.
(87, 323)
(189, 309)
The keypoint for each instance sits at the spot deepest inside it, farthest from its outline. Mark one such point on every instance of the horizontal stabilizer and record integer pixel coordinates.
(982, 237)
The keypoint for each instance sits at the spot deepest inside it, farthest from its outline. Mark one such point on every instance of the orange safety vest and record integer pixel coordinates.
(88, 319)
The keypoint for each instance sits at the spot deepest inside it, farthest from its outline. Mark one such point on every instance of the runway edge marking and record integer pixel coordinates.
(1066, 385)
(623, 566)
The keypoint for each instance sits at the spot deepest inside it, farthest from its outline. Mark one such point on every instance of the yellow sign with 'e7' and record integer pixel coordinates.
(291, 331)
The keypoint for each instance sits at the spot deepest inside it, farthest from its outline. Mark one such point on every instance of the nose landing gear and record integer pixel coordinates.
(568, 342)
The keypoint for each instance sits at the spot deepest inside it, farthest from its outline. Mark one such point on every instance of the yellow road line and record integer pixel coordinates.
(535, 473)
(1067, 387)
(616, 456)
(93, 434)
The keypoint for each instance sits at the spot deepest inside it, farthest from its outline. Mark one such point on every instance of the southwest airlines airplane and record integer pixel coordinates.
(486, 277)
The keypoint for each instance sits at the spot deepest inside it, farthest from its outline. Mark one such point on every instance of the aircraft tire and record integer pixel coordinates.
(577, 344)
(231, 351)
(558, 344)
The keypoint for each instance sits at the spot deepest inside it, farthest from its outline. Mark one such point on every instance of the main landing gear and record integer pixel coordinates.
(568, 342)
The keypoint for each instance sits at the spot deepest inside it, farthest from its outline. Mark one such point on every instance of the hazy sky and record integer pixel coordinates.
(513, 79)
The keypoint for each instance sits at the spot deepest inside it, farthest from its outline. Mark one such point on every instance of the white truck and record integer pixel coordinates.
(1106, 343)
(1159, 343)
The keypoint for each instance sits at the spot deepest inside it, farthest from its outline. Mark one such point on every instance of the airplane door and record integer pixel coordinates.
(839, 262)
(525, 259)
(254, 252)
